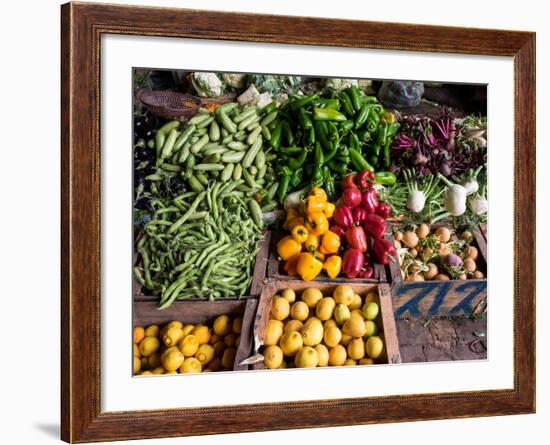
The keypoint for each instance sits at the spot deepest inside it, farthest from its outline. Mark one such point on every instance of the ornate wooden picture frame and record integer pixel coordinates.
(82, 27)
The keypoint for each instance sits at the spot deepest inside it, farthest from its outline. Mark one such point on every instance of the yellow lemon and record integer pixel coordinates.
(222, 325)
(158, 370)
(171, 372)
(237, 325)
(152, 331)
(137, 365)
(273, 332)
(375, 347)
(325, 308)
(172, 336)
(172, 324)
(356, 349)
(337, 355)
(322, 354)
(228, 358)
(370, 310)
(291, 343)
(293, 325)
(341, 313)
(173, 360)
(145, 373)
(312, 332)
(356, 302)
(139, 334)
(306, 358)
(280, 308)
(189, 345)
(202, 333)
(366, 361)
(187, 329)
(289, 295)
(327, 324)
(136, 351)
(299, 311)
(273, 357)
(358, 313)
(355, 326)
(370, 328)
(190, 365)
(343, 294)
(332, 336)
(350, 362)
(311, 296)
(204, 354)
(148, 346)
(346, 339)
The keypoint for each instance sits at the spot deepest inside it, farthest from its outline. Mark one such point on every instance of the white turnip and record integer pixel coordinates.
(455, 197)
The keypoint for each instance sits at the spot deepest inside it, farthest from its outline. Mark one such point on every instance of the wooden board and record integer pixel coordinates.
(275, 268)
(204, 312)
(256, 284)
(385, 317)
(442, 298)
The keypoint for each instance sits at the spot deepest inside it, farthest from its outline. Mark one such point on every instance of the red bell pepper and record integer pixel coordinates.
(369, 200)
(337, 229)
(357, 238)
(383, 251)
(349, 182)
(383, 210)
(359, 215)
(365, 179)
(367, 271)
(375, 226)
(352, 197)
(352, 263)
(343, 217)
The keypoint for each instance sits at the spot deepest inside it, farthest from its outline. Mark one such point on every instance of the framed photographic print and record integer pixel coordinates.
(266, 226)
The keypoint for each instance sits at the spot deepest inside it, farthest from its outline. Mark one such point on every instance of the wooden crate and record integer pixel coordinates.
(258, 277)
(385, 317)
(204, 312)
(442, 298)
(275, 268)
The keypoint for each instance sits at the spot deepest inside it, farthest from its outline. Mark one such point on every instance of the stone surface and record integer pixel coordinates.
(442, 339)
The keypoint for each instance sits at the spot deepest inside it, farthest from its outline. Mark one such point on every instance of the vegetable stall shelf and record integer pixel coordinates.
(202, 312)
(275, 268)
(442, 297)
(385, 319)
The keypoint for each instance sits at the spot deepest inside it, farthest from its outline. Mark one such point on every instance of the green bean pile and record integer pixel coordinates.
(200, 244)
(224, 145)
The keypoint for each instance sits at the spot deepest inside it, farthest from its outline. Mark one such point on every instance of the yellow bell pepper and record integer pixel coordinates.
(288, 247)
(312, 243)
(333, 266)
(329, 209)
(319, 193)
(330, 242)
(314, 204)
(298, 221)
(291, 265)
(299, 233)
(308, 266)
(319, 255)
(317, 223)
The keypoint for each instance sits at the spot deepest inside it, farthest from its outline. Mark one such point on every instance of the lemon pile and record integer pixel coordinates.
(318, 330)
(178, 348)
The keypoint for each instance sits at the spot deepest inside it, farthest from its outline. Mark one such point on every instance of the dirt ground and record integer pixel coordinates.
(442, 339)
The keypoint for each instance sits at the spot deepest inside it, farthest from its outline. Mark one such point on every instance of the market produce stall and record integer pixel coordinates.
(254, 192)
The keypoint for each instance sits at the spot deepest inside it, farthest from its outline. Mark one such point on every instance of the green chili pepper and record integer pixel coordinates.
(302, 101)
(283, 184)
(269, 108)
(296, 162)
(347, 106)
(328, 114)
(359, 161)
(355, 97)
(338, 167)
(291, 150)
(275, 140)
(317, 174)
(305, 120)
(328, 103)
(318, 157)
(346, 126)
(287, 132)
(362, 116)
(296, 177)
